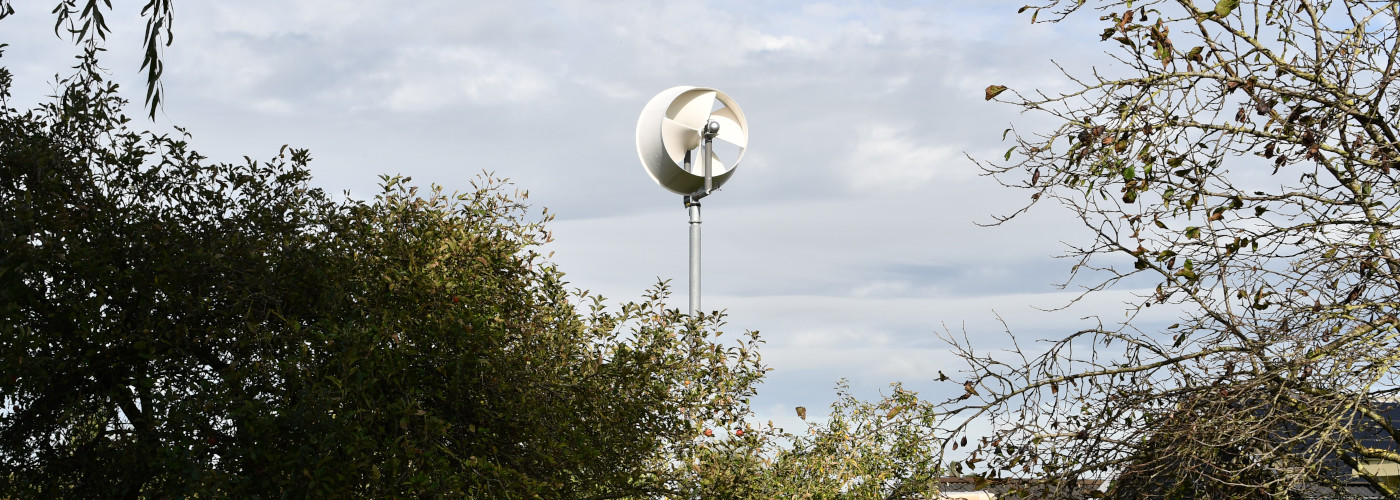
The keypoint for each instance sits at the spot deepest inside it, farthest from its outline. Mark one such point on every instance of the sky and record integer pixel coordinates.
(848, 236)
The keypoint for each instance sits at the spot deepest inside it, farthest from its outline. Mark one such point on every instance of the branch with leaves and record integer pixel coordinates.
(1241, 157)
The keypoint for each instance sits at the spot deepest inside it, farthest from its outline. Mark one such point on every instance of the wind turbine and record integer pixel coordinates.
(678, 125)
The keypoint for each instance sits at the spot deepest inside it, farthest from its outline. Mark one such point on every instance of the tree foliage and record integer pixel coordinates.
(880, 449)
(861, 449)
(1240, 158)
(86, 26)
(174, 327)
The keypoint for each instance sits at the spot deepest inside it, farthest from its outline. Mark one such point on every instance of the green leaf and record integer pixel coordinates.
(1225, 7)
(1195, 54)
(1193, 232)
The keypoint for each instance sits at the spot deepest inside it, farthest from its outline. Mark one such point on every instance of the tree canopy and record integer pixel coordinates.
(1239, 158)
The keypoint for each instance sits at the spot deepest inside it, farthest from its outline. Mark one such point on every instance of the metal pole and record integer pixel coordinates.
(711, 129)
(693, 208)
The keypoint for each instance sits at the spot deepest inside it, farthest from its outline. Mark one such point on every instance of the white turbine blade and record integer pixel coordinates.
(692, 109)
(678, 139)
(716, 166)
(729, 129)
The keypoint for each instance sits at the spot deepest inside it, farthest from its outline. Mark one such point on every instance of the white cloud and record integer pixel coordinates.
(761, 42)
(888, 157)
(611, 89)
(426, 78)
(878, 288)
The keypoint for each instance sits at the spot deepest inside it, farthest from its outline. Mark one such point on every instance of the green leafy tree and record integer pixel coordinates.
(881, 449)
(862, 449)
(172, 327)
(1240, 158)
